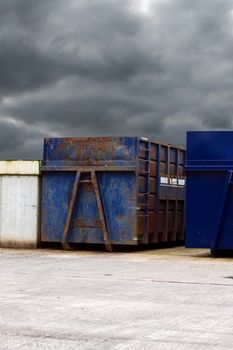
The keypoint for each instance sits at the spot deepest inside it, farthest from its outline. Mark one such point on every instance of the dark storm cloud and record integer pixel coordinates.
(18, 136)
(88, 67)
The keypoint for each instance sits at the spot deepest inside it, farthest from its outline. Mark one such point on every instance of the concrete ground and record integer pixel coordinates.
(161, 299)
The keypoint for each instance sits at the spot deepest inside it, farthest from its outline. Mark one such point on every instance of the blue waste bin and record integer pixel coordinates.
(112, 191)
(209, 190)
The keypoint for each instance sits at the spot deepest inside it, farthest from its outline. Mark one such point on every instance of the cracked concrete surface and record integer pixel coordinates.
(155, 299)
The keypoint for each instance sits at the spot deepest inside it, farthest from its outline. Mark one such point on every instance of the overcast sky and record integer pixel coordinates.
(111, 67)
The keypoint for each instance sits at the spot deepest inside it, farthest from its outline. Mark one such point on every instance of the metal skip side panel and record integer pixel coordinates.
(89, 150)
(117, 194)
(56, 192)
(204, 195)
(224, 240)
(209, 208)
(118, 205)
(120, 202)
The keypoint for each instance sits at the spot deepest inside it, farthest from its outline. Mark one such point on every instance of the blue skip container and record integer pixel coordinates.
(112, 190)
(209, 190)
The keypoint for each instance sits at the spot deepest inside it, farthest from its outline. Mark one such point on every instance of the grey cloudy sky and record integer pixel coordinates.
(109, 67)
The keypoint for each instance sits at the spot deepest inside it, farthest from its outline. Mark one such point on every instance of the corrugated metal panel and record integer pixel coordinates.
(112, 190)
(19, 205)
(19, 167)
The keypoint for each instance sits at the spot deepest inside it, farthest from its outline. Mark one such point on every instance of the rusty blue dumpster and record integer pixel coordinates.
(209, 198)
(112, 190)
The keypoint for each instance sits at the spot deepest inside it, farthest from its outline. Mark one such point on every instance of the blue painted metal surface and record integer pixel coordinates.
(112, 190)
(209, 196)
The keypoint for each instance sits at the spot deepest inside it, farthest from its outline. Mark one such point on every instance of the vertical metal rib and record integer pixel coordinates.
(71, 207)
(107, 240)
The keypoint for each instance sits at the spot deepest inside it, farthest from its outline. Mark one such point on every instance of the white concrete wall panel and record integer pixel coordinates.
(19, 210)
(19, 167)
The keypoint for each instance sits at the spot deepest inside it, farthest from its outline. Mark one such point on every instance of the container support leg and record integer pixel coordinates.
(107, 240)
(71, 207)
(222, 211)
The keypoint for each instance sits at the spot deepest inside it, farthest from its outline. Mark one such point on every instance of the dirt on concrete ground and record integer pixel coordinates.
(156, 299)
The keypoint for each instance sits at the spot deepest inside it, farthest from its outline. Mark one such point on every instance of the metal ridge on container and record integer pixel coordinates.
(20, 167)
(148, 139)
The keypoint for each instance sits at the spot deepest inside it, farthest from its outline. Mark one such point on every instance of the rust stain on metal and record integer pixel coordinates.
(89, 168)
(82, 223)
(82, 148)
